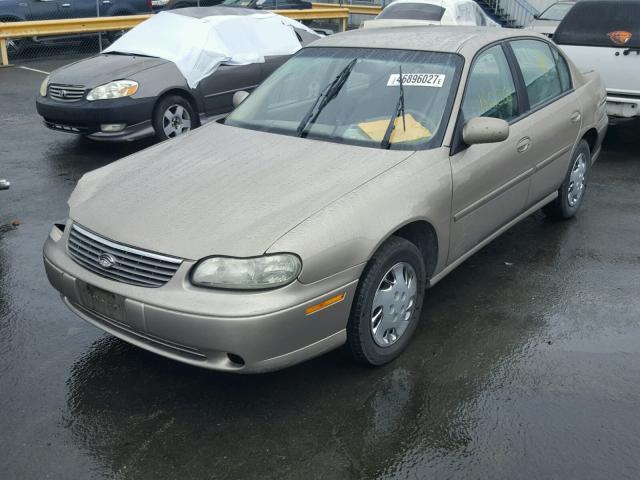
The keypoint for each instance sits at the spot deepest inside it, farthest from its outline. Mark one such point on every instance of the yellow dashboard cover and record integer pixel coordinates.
(414, 130)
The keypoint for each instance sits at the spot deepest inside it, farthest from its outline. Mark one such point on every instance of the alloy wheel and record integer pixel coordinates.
(176, 121)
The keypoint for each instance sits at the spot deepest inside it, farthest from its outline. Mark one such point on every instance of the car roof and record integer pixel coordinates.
(202, 12)
(430, 38)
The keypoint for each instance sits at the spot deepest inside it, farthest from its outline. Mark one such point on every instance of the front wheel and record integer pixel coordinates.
(571, 193)
(173, 116)
(388, 302)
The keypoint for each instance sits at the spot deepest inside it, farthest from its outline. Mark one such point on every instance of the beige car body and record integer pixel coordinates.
(223, 190)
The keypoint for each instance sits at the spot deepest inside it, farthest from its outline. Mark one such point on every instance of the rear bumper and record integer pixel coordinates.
(85, 118)
(626, 106)
(268, 330)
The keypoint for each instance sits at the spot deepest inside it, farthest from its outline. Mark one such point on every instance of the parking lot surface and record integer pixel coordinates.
(526, 363)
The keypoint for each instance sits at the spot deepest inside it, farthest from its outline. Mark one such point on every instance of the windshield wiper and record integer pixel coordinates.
(328, 93)
(386, 141)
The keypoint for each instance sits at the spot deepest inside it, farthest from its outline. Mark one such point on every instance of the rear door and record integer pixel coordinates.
(270, 64)
(490, 182)
(89, 8)
(47, 10)
(218, 88)
(554, 114)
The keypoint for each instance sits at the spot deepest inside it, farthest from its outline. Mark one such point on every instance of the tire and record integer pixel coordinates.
(571, 193)
(365, 342)
(173, 116)
(114, 35)
(15, 47)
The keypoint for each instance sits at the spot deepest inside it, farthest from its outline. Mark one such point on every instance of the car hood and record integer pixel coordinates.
(221, 190)
(95, 71)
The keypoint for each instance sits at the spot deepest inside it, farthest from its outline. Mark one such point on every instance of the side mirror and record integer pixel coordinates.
(485, 130)
(536, 16)
(4, 185)
(239, 97)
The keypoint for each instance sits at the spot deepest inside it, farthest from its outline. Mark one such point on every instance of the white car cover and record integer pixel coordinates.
(198, 46)
(456, 12)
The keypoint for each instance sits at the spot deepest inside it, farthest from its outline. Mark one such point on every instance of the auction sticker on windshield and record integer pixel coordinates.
(417, 80)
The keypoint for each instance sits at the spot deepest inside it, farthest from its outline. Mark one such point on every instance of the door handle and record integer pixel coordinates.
(106, 2)
(524, 145)
(66, 5)
(576, 117)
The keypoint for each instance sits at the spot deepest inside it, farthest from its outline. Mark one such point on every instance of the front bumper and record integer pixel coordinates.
(85, 118)
(266, 330)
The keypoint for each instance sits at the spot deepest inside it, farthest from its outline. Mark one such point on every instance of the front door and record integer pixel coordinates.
(490, 182)
(48, 10)
(218, 88)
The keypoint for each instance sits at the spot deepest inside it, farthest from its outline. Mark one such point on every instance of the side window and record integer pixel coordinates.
(563, 70)
(541, 75)
(491, 91)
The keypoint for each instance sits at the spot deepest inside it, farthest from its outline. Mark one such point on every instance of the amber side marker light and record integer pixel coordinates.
(327, 303)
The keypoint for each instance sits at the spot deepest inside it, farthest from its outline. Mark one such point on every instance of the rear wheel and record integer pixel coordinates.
(388, 303)
(114, 35)
(571, 193)
(14, 47)
(173, 116)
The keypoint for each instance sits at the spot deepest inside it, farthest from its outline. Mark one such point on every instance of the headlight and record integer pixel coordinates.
(44, 86)
(117, 89)
(256, 273)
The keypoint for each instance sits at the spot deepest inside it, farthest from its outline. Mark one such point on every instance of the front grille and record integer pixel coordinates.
(63, 127)
(66, 93)
(119, 262)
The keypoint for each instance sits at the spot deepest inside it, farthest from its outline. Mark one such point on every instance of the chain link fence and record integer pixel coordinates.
(77, 45)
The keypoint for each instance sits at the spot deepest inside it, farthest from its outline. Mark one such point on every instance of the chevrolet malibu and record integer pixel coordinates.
(359, 174)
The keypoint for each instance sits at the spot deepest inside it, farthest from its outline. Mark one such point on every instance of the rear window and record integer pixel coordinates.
(556, 12)
(412, 11)
(612, 23)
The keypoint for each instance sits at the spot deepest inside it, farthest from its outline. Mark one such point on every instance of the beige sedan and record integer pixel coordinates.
(359, 174)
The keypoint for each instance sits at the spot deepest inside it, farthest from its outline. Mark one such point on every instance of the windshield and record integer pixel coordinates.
(351, 95)
(556, 12)
(412, 11)
(612, 23)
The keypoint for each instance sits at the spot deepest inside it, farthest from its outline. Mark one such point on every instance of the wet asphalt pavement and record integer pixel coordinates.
(526, 363)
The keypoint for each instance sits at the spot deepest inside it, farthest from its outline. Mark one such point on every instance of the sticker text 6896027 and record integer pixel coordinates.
(417, 80)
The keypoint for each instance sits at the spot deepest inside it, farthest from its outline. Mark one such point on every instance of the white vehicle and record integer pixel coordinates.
(604, 36)
(547, 21)
(402, 13)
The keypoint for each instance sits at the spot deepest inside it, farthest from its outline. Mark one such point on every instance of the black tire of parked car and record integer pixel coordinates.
(116, 34)
(560, 208)
(14, 47)
(360, 340)
(164, 104)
